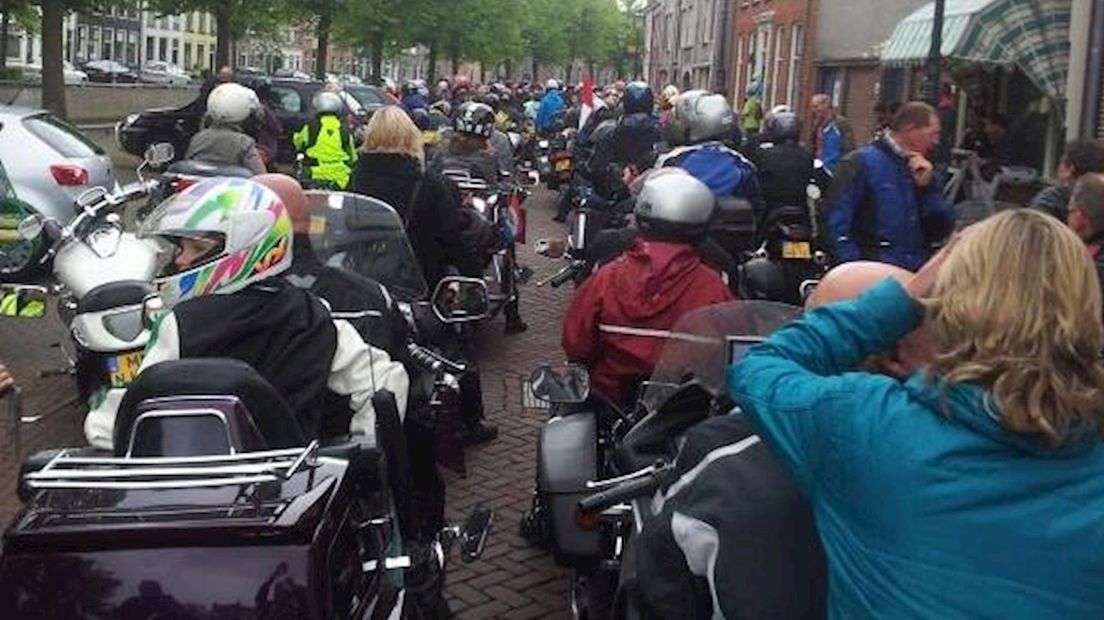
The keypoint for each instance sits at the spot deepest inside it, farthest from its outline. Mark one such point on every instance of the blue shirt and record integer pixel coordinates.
(924, 511)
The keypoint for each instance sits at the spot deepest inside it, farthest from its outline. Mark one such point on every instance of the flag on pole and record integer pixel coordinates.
(587, 100)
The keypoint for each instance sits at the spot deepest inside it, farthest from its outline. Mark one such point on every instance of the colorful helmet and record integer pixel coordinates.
(231, 103)
(477, 119)
(326, 102)
(639, 98)
(248, 221)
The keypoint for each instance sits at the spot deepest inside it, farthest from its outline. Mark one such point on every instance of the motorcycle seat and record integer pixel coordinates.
(254, 415)
(197, 168)
(114, 295)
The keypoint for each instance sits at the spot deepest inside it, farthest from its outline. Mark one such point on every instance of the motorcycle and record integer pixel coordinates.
(501, 212)
(598, 466)
(102, 274)
(181, 175)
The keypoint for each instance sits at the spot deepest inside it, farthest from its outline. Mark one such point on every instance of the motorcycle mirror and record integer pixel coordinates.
(30, 228)
(153, 308)
(461, 300)
(21, 301)
(567, 384)
(812, 191)
(160, 154)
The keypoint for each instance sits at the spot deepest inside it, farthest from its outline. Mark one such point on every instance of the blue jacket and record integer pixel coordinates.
(725, 171)
(550, 105)
(876, 212)
(414, 101)
(924, 512)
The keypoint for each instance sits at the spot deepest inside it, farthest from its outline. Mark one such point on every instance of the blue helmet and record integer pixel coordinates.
(638, 98)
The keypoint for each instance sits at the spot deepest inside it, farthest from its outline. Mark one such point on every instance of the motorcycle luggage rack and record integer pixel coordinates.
(66, 471)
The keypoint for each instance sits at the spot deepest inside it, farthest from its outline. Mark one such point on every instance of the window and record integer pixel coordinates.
(120, 46)
(778, 95)
(162, 48)
(893, 85)
(201, 58)
(187, 56)
(739, 69)
(61, 136)
(797, 47)
(149, 49)
(12, 45)
(287, 99)
(90, 37)
(176, 51)
(829, 83)
(132, 48)
(188, 25)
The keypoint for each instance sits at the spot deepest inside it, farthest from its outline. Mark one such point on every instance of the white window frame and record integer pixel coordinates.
(797, 49)
(779, 63)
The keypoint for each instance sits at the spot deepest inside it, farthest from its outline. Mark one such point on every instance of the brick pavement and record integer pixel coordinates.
(513, 580)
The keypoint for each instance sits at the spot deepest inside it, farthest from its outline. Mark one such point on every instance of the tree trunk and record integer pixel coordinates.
(432, 73)
(53, 82)
(325, 20)
(377, 57)
(222, 44)
(454, 53)
(5, 25)
(536, 71)
(509, 69)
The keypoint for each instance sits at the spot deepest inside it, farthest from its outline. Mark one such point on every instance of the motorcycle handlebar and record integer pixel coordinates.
(624, 492)
(433, 361)
(564, 276)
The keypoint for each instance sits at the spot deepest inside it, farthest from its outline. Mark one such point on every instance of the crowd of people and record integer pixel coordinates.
(936, 413)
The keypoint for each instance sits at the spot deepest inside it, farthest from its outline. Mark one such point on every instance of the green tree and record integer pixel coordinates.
(53, 13)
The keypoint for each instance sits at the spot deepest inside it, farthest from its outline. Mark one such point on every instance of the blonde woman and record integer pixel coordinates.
(974, 489)
(392, 169)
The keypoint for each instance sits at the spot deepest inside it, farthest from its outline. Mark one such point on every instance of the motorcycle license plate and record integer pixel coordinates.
(797, 249)
(563, 165)
(123, 368)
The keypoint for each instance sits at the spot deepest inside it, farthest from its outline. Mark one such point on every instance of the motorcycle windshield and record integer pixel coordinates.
(367, 237)
(704, 342)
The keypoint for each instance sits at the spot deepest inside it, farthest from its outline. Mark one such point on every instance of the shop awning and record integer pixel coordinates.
(1031, 34)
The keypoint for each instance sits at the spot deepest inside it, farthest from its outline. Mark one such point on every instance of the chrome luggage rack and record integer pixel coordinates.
(66, 471)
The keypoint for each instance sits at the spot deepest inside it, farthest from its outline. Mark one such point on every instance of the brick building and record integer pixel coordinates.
(770, 40)
(846, 48)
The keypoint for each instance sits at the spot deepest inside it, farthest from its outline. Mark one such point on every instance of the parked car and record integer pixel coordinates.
(55, 162)
(159, 72)
(293, 74)
(110, 71)
(72, 75)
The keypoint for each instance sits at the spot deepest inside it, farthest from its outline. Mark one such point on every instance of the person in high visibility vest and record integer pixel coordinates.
(326, 143)
(11, 304)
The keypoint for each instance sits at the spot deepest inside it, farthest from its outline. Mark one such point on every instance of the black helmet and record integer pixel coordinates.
(782, 125)
(411, 87)
(762, 279)
(638, 99)
(674, 204)
(476, 119)
(492, 100)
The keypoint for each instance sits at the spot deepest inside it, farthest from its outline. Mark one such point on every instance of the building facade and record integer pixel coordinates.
(115, 34)
(771, 43)
(199, 42)
(683, 42)
(163, 39)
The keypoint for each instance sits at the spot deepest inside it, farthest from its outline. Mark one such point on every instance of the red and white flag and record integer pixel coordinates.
(587, 100)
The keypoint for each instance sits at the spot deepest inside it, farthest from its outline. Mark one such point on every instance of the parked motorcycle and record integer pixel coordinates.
(597, 465)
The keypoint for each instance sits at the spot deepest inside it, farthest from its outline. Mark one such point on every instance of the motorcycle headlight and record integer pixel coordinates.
(125, 325)
(104, 241)
(543, 144)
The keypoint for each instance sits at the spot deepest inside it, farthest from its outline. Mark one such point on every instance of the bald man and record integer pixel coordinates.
(848, 281)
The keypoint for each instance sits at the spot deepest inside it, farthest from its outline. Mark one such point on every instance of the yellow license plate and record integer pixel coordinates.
(797, 249)
(123, 368)
(563, 165)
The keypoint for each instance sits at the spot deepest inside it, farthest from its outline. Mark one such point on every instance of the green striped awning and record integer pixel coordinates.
(1031, 34)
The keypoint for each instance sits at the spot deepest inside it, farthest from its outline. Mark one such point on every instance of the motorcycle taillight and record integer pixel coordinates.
(182, 183)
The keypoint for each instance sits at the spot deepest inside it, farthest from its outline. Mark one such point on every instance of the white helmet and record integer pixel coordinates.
(326, 102)
(551, 84)
(674, 204)
(231, 103)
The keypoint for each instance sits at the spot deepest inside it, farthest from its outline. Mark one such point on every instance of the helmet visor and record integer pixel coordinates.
(180, 252)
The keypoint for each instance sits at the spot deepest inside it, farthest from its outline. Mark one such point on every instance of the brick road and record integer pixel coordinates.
(512, 580)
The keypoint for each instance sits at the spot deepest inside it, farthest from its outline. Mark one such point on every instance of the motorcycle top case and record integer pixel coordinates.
(567, 456)
(734, 225)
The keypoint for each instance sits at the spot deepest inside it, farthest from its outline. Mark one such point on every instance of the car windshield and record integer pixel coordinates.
(367, 95)
(61, 136)
(367, 237)
(699, 345)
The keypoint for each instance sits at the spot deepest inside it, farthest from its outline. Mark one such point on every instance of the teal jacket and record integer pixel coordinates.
(925, 512)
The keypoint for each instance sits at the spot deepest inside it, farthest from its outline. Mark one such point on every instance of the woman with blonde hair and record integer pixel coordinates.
(974, 488)
(392, 169)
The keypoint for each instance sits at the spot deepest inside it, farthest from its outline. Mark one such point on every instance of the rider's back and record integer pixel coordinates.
(225, 145)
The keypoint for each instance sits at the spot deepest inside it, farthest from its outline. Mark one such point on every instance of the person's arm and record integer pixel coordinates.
(581, 338)
(791, 385)
(844, 199)
(252, 159)
(441, 205)
(937, 215)
(357, 371)
(301, 138)
(6, 378)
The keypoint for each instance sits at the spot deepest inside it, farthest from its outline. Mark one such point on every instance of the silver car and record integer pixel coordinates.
(49, 162)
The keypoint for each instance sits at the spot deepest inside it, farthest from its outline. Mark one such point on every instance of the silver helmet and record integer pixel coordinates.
(674, 204)
(326, 102)
(701, 116)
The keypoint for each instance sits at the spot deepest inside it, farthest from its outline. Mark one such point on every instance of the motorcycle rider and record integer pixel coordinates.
(413, 97)
(223, 141)
(785, 167)
(226, 242)
(551, 106)
(327, 144)
(631, 145)
(612, 323)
